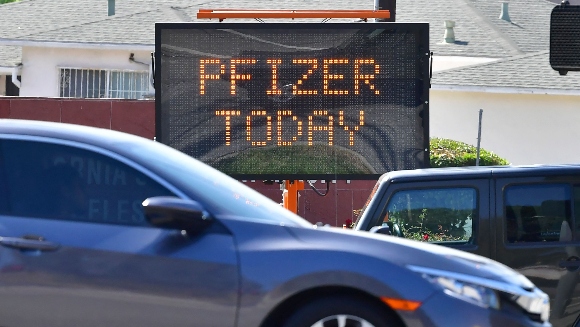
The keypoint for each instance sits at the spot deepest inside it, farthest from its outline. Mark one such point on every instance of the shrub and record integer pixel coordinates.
(450, 153)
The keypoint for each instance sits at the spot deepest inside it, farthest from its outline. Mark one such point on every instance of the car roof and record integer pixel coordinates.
(110, 139)
(475, 172)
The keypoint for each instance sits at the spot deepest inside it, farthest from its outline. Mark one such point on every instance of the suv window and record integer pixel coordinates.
(433, 215)
(538, 213)
(54, 181)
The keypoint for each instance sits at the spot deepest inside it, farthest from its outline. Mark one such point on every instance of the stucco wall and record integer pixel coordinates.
(40, 66)
(523, 128)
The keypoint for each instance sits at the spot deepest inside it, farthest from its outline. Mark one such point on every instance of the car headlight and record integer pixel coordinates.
(486, 292)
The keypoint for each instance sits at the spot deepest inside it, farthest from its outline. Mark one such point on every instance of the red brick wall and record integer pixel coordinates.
(130, 116)
(138, 117)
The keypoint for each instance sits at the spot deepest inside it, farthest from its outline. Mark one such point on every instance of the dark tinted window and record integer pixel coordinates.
(538, 213)
(576, 212)
(434, 215)
(62, 182)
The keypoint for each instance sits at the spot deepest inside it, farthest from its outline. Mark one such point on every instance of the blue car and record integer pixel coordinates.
(101, 228)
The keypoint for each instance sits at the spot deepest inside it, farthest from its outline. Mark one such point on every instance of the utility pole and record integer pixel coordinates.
(478, 137)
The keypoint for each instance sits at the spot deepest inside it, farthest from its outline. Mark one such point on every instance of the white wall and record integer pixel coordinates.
(522, 128)
(40, 66)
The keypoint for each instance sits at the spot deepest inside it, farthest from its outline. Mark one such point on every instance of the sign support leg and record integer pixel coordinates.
(290, 194)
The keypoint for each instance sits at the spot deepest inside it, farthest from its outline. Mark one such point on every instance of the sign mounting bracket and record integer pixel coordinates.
(258, 14)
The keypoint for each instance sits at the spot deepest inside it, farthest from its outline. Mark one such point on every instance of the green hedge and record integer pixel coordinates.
(450, 153)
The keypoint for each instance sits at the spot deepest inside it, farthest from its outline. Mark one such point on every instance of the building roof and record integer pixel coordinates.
(9, 56)
(25, 18)
(478, 29)
(529, 73)
(129, 29)
(529, 26)
(37, 20)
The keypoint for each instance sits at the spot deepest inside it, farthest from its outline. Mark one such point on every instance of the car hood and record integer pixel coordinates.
(406, 253)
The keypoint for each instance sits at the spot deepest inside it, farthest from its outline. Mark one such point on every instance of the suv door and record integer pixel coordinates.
(451, 213)
(537, 224)
(77, 251)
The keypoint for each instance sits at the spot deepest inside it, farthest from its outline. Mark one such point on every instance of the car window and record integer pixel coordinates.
(433, 215)
(56, 181)
(218, 192)
(538, 213)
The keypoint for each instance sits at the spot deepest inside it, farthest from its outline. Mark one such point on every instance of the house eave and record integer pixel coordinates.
(77, 45)
(504, 90)
(6, 70)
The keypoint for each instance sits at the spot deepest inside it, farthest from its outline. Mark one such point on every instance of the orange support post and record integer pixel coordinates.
(222, 14)
(290, 194)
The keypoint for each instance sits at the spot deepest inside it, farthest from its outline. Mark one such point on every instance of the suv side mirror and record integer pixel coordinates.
(175, 213)
(381, 230)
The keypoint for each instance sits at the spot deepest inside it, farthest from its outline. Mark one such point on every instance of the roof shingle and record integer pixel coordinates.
(479, 31)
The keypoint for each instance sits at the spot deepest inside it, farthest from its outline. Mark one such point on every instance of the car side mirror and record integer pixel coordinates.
(381, 230)
(175, 213)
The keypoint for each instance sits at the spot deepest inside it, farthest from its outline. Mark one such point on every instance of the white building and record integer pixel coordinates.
(497, 61)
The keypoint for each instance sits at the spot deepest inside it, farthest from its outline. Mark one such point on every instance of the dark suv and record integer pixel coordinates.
(526, 217)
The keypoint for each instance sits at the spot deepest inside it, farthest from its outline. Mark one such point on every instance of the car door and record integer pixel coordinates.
(537, 228)
(452, 213)
(75, 249)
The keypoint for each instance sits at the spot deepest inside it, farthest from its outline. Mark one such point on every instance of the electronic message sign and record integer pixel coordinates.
(295, 100)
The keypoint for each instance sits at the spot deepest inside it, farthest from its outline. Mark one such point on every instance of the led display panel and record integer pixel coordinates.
(295, 100)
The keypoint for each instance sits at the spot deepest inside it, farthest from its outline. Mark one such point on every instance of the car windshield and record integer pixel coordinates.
(221, 193)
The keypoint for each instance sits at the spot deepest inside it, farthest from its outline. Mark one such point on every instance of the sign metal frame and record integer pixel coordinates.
(422, 35)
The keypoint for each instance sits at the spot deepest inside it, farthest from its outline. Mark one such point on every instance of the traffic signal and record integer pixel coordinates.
(565, 38)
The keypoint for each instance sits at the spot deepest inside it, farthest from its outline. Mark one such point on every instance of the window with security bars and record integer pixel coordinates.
(101, 83)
